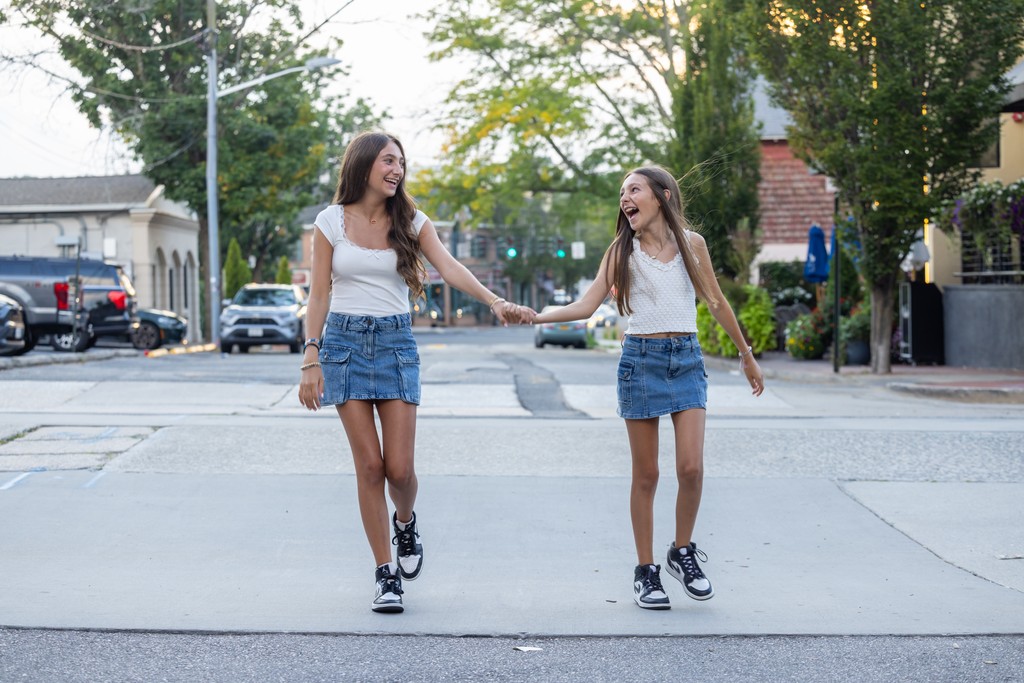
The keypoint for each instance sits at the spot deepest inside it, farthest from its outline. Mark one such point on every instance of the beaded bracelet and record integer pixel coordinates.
(307, 366)
(750, 350)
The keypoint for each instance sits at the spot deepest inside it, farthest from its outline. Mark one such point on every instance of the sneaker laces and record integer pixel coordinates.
(689, 562)
(405, 541)
(391, 584)
(653, 578)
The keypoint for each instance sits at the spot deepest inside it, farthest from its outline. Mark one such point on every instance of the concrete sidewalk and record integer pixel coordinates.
(976, 385)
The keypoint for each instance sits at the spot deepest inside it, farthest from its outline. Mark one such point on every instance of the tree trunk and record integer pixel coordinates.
(881, 327)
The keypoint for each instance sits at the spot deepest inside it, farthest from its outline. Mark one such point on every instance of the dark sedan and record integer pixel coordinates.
(153, 328)
(12, 327)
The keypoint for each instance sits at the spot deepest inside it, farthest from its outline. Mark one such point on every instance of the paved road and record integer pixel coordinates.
(192, 494)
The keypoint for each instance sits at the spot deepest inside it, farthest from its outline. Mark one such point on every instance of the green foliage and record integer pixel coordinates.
(856, 326)
(543, 112)
(805, 337)
(990, 215)
(784, 282)
(707, 331)
(143, 76)
(757, 316)
(284, 272)
(754, 310)
(884, 98)
(236, 270)
(851, 293)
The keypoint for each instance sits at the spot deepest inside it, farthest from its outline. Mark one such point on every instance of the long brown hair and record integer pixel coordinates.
(659, 180)
(353, 177)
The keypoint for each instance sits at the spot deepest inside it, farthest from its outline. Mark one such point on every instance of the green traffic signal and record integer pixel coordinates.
(511, 252)
(560, 253)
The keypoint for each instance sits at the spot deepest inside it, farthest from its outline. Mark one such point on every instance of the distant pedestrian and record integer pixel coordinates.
(366, 260)
(656, 268)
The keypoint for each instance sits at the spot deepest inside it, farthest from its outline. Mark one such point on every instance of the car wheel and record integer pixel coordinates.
(538, 343)
(147, 337)
(30, 343)
(67, 342)
(295, 347)
(580, 345)
(243, 348)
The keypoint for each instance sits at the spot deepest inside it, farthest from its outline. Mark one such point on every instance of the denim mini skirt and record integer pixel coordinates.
(660, 376)
(369, 358)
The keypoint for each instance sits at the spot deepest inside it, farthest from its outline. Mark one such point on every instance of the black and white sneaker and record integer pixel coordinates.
(647, 589)
(682, 564)
(389, 590)
(410, 552)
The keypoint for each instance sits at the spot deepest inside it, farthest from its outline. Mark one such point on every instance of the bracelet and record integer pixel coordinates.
(307, 366)
(495, 300)
(310, 343)
(750, 350)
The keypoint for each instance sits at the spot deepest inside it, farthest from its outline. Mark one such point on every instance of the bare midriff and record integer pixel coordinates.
(663, 335)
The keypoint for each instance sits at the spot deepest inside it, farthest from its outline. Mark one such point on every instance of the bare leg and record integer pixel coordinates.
(643, 446)
(689, 440)
(398, 430)
(357, 417)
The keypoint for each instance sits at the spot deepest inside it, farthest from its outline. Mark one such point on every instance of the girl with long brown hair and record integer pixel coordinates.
(366, 262)
(657, 268)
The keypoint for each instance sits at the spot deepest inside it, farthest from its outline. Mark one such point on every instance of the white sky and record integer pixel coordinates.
(42, 134)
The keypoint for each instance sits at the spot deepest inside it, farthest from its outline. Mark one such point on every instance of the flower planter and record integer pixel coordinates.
(858, 353)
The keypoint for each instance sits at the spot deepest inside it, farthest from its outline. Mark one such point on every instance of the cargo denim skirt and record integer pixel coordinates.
(369, 358)
(660, 376)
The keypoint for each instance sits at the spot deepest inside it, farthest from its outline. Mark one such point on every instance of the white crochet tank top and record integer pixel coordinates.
(661, 295)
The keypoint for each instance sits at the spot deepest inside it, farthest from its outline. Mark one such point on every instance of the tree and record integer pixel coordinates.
(236, 271)
(142, 74)
(895, 101)
(284, 272)
(562, 96)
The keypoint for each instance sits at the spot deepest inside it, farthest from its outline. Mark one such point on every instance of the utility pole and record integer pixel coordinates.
(212, 205)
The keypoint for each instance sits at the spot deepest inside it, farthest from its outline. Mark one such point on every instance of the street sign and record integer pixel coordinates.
(579, 250)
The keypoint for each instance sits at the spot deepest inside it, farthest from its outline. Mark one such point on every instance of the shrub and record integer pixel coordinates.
(707, 331)
(758, 319)
(804, 339)
(783, 280)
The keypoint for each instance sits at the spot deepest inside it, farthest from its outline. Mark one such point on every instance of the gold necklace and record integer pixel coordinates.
(373, 221)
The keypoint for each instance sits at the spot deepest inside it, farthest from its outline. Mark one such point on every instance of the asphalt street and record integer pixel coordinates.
(182, 518)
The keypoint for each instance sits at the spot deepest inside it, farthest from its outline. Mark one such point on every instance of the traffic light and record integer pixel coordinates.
(559, 247)
(510, 248)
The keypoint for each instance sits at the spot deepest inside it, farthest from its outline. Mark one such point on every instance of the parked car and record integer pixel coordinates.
(47, 289)
(264, 314)
(152, 328)
(12, 326)
(564, 334)
(605, 315)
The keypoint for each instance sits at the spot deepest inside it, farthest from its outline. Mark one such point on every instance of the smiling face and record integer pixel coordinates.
(387, 171)
(638, 202)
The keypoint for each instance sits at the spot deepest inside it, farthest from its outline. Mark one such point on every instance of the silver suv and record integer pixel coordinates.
(264, 314)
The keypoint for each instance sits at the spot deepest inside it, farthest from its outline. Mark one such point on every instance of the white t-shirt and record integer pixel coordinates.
(363, 281)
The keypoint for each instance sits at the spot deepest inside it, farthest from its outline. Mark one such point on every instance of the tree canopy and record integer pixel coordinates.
(562, 97)
(142, 74)
(895, 101)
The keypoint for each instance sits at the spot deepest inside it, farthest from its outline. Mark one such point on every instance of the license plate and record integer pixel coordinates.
(255, 331)
(564, 327)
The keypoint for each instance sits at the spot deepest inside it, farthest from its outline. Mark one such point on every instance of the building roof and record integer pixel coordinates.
(773, 120)
(123, 190)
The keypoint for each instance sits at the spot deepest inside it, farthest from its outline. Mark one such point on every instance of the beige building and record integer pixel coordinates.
(125, 220)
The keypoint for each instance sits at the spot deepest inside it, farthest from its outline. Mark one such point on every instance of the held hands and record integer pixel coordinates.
(508, 312)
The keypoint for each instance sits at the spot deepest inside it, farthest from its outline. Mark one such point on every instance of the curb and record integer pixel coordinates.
(178, 350)
(963, 394)
(64, 358)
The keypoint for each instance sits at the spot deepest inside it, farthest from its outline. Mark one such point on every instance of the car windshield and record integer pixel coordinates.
(265, 297)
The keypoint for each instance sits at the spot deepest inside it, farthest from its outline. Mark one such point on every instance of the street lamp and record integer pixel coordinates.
(212, 205)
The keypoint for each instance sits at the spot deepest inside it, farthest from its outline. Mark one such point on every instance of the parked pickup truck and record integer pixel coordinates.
(46, 289)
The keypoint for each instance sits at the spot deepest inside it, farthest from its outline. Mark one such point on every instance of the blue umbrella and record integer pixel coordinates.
(816, 266)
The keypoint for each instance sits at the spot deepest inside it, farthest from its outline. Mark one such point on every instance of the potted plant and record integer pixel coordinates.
(855, 336)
